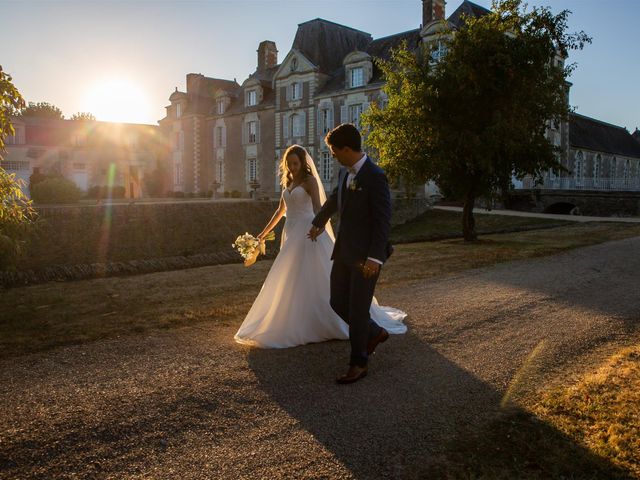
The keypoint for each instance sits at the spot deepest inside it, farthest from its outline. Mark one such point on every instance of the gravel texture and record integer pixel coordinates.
(189, 403)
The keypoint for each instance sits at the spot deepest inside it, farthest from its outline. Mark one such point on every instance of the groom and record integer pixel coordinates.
(362, 245)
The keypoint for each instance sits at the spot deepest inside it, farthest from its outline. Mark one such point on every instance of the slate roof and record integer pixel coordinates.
(201, 100)
(378, 48)
(592, 134)
(265, 78)
(466, 8)
(326, 43)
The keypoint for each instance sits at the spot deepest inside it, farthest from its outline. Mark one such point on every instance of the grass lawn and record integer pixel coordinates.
(40, 317)
(597, 414)
(441, 224)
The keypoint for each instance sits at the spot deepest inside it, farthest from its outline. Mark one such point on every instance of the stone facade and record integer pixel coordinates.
(327, 77)
(89, 153)
(601, 157)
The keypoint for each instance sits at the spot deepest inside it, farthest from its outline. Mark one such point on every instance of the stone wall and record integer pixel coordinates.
(91, 241)
(605, 203)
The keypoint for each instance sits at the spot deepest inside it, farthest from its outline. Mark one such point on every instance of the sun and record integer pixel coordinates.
(118, 100)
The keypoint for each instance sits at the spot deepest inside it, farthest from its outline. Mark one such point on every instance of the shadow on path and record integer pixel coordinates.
(410, 416)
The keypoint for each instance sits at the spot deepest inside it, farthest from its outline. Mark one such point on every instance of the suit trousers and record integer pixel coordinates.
(351, 296)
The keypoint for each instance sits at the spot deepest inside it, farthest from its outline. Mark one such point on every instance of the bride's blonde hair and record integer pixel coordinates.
(286, 177)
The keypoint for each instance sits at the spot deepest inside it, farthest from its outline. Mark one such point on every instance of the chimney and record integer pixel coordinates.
(432, 10)
(267, 55)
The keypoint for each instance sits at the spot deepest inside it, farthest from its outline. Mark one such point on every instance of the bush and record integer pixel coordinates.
(226, 194)
(102, 191)
(56, 190)
(236, 194)
(16, 219)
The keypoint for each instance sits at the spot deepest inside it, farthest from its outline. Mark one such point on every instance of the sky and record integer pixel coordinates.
(120, 60)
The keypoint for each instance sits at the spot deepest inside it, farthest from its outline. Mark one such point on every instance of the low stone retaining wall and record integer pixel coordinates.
(79, 242)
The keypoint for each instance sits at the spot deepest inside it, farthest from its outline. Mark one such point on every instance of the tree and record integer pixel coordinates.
(478, 117)
(83, 116)
(42, 110)
(16, 212)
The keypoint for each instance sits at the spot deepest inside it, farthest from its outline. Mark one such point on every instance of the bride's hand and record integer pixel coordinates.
(314, 233)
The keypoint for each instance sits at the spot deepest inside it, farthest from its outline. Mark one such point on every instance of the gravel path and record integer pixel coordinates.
(190, 404)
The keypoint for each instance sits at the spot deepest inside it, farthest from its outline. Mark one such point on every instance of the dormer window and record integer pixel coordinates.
(439, 52)
(296, 91)
(252, 98)
(178, 110)
(220, 107)
(357, 77)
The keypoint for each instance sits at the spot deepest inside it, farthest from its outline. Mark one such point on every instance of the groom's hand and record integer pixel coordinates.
(370, 268)
(314, 233)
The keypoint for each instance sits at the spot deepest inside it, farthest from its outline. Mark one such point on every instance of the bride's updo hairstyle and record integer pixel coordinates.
(286, 177)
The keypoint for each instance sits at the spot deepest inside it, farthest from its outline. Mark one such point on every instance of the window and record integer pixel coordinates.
(296, 91)
(297, 127)
(219, 139)
(15, 165)
(326, 120)
(252, 132)
(439, 52)
(626, 172)
(596, 169)
(178, 110)
(220, 171)
(613, 168)
(252, 98)
(80, 140)
(220, 107)
(357, 77)
(326, 168)
(252, 168)
(17, 138)
(354, 114)
(177, 174)
(294, 64)
(577, 168)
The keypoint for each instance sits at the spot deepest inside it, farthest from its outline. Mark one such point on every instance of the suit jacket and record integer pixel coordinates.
(365, 215)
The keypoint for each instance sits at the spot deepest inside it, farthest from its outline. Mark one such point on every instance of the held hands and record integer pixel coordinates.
(314, 233)
(370, 269)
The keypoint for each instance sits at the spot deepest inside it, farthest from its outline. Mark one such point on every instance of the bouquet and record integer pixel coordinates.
(249, 247)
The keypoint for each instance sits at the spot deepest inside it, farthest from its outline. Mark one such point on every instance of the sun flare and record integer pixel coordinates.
(118, 100)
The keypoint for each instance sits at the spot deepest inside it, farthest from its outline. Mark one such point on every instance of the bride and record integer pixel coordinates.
(292, 307)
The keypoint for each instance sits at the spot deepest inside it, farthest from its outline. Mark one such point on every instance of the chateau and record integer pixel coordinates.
(229, 137)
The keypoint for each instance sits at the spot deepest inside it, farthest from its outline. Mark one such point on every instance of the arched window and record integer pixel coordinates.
(612, 167)
(578, 168)
(626, 172)
(597, 163)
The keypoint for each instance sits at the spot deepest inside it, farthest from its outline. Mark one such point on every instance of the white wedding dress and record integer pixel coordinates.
(292, 307)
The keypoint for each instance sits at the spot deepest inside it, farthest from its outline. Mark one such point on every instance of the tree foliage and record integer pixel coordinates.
(83, 116)
(42, 110)
(16, 212)
(478, 117)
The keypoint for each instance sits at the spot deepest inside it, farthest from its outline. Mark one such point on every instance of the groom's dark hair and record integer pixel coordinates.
(345, 135)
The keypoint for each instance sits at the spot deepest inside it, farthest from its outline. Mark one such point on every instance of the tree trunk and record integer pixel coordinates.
(468, 222)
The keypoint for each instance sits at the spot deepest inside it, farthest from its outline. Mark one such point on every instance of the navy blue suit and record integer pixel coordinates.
(363, 232)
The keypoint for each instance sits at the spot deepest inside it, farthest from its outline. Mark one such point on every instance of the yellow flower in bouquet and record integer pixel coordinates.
(249, 247)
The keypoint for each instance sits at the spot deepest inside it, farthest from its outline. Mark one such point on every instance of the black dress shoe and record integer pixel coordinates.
(353, 375)
(380, 338)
